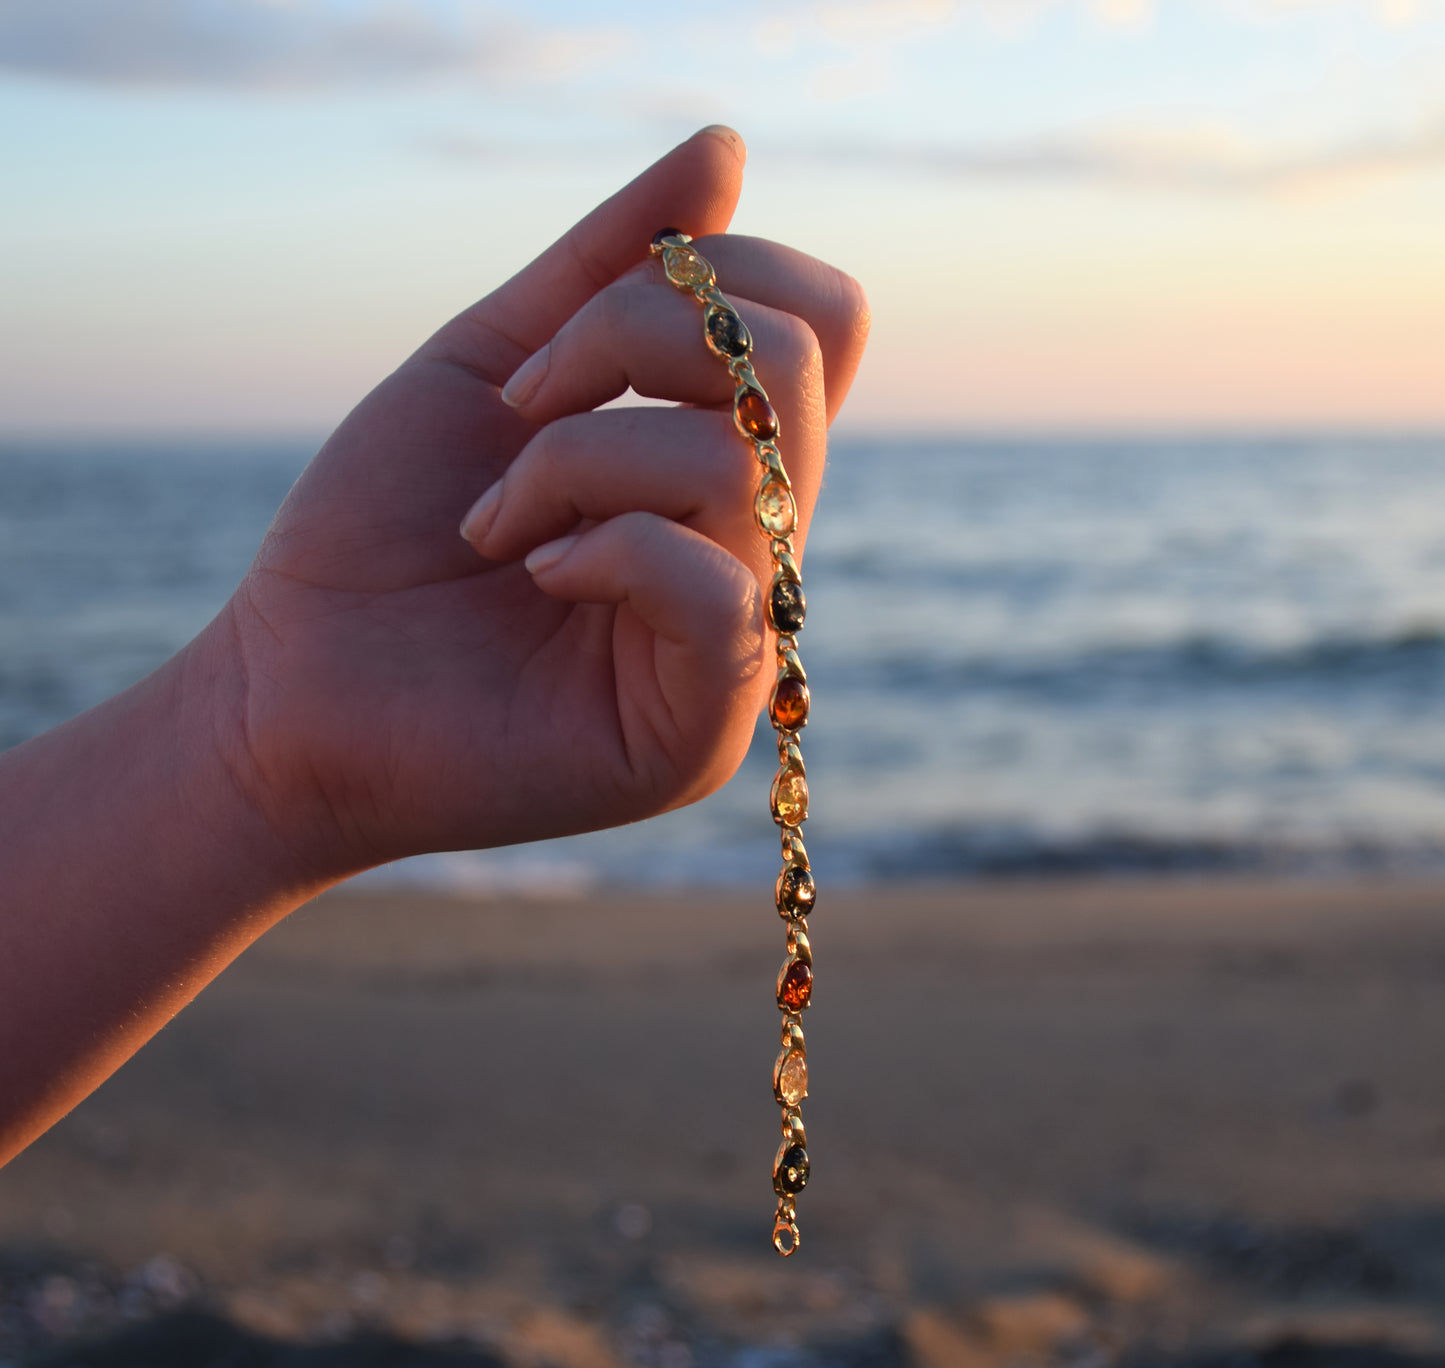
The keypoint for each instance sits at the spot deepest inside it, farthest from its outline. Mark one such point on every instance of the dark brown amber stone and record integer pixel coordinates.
(793, 1169)
(787, 606)
(727, 332)
(790, 703)
(661, 233)
(795, 986)
(756, 416)
(796, 891)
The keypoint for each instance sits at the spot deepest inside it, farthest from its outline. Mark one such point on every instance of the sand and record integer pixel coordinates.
(1079, 1122)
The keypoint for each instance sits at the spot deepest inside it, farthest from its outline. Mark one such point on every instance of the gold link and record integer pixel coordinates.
(798, 945)
(785, 1234)
(785, 562)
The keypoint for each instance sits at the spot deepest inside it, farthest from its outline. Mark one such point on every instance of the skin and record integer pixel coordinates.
(593, 652)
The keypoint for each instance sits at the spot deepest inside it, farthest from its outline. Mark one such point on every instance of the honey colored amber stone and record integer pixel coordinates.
(786, 606)
(792, 1172)
(790, 704)
(756, 416)
(795, 986)
(776, 511)
(790, 798)
(685, 267)
(727, 333)
(796, 891)
(793, 1078)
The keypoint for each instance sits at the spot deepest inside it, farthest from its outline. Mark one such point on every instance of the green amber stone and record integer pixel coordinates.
(796, 892)
(787, 606)
(792, 1172)
(727, 334)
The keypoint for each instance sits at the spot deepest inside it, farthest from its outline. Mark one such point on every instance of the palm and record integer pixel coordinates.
(443, 696)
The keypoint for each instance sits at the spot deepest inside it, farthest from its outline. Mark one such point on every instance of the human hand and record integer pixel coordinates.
(403, 693)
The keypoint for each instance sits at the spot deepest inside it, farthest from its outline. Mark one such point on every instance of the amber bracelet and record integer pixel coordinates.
(727, 336)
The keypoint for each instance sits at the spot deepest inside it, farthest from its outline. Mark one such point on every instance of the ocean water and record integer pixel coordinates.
(1026, 656)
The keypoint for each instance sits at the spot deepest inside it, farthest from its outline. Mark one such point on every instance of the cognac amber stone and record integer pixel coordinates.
(775, 509)
(756, 416)
(684, 267)
(796, 891)
(727, 333)
(787, 606)
(790, 704)
(790, 798)
(793, 1078)
(795, 986)
(792, 1174)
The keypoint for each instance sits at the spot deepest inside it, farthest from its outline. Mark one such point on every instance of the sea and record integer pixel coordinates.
(1027, 657)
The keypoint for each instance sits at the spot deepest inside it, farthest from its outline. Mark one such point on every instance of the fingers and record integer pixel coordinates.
(690, 697)
(643, 333)
(685, 464)
(694, 187)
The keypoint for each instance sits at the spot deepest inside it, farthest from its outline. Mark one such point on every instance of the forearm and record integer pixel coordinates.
(133, 868)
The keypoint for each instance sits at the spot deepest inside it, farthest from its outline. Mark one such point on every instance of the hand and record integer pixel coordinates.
(403, 692)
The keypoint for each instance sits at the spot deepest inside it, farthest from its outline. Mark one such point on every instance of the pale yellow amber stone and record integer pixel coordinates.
(776, 512)
(790, 800)
(793, 1079)
(685, 267)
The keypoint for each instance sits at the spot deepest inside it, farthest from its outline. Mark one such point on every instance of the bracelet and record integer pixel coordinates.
(727, 336)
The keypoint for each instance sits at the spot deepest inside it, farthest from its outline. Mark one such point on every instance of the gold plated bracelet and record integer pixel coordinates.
(727, 336)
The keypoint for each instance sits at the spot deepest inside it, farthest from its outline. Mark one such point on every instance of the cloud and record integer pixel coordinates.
(276, 44)
(1209, 165)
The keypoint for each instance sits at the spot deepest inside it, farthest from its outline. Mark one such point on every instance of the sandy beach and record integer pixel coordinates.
(1087, 1123)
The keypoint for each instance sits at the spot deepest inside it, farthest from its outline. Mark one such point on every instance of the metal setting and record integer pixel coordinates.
(727, 337)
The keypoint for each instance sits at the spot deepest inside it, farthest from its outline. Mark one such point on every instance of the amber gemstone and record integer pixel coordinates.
(790, 704)
(727, 332)
(793, 1078)
(793, 1167)
(756, 416)
(776, 511)
(787, 606)
(685, 267)
(790, 798)
(796, 891)
(662, 233)
(795, 986)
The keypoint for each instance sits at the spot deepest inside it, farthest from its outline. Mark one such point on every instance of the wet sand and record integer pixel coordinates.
(1075, 1122)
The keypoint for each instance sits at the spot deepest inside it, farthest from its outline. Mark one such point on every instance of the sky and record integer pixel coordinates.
(238, 215)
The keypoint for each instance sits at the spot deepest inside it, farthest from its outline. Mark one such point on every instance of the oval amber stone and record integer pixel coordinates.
(790, 704)
(727, 334)
(786, 606)
(775, 508)
(684, 267)
(796, 891)
(792, 1172)
(790, 798)
(795, 986)
(792, 1078)
(756, 416)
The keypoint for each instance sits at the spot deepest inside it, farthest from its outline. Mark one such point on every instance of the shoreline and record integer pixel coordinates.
(1153, 1114)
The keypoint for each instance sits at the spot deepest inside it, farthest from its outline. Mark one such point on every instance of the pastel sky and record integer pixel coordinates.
(238, 214)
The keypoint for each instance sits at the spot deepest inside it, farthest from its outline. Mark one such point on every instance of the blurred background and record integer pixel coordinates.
(1127, 638)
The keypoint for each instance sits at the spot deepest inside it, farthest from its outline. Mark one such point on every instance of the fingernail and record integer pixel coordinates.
(548, 554)
(482, 515)
(527, 378)
(729, 135)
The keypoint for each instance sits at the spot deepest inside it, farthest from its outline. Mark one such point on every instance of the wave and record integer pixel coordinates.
(1413, 657)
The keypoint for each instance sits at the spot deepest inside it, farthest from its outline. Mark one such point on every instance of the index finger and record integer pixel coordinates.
(694, 188)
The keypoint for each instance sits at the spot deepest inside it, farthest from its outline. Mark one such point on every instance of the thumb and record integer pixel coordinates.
(694, 188)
